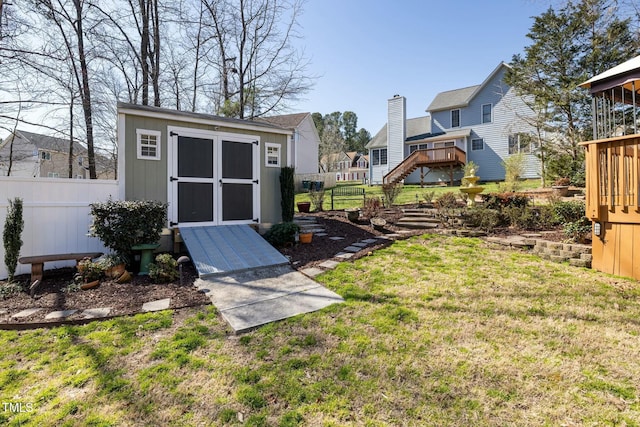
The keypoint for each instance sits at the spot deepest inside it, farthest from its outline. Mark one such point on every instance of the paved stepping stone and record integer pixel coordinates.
(344, 255)
(59, 314)
(336, 238)
(352, 249)
(360, 244)
(3, 311)
(161, 304)
(329, 264)
(369, 241)
(312, 271)
(321, 234)
(27, 312)
(94, 313)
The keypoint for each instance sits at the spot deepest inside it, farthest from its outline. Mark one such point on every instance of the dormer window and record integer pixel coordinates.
(455, 118)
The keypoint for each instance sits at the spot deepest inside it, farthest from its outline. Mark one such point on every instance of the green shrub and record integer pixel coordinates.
(566, 212)
(122, 224)
(165, 269)
(483, 218)
(446, 200)
(428, 196)
(514, 166)
(500, 201)
(287, 193)
(10, 288)
(281, 234)
(12, 236)
(577, 231)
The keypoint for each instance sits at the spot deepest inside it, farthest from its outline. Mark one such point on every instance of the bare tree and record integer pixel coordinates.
(255, 53)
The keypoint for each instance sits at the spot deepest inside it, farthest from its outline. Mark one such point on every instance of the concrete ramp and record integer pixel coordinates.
(249, 299)
(224, 249)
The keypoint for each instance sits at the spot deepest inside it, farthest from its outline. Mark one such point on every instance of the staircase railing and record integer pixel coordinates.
(428, 157)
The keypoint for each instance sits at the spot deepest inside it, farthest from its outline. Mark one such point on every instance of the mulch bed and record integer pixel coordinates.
(127, 299)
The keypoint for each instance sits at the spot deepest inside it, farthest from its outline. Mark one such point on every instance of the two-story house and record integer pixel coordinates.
(485, 124)
(28, 154)
(348, 166)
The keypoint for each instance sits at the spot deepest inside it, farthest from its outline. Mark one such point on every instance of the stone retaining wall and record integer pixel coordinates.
(577, 255)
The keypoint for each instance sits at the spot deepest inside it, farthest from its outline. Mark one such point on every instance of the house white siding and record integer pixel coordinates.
(396, 131)
(305, 155)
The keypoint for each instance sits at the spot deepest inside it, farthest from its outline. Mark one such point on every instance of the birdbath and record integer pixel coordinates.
(146, 256)
(472, 189)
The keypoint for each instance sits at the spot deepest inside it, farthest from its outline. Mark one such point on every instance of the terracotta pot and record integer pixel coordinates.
(90, 285)
(305, 237)
(124, 277)
(304, 207)
(115, 271)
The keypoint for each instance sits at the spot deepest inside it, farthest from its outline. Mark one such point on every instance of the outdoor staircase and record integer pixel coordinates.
(419, 219)
(433, 158)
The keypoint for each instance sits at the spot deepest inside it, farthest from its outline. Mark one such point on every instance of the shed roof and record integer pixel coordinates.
(287, 121)
(147, 110)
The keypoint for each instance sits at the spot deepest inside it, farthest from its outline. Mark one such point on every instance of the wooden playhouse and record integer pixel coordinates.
(612, 163)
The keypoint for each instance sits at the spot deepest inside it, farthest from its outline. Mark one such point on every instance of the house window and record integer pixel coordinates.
(415, 147)
(79, 177)
(444, 144)
(455, 118)
(272, 155)
(53, 175)
(80, 161)
(486, 113)
(148, 142)
(45, 155)
(477, 144)
(379, 156)
(521, 143)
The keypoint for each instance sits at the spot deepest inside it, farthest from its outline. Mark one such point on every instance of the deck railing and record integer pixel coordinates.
(431, 157)
(613, 179)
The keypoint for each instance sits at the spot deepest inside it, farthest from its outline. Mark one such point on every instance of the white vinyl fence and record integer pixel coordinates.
(56, 216)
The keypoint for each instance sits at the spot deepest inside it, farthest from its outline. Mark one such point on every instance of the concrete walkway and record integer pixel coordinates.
(256, 297)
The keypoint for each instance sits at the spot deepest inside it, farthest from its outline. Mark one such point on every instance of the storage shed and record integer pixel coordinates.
(211, 170)
(612, 163)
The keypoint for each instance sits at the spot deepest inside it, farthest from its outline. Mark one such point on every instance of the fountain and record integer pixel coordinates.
(472, 189)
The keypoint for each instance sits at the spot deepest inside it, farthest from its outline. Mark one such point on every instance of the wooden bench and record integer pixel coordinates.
(37, 261)
(347, 192)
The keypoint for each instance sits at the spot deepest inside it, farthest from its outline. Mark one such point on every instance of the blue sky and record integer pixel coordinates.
(366, 51)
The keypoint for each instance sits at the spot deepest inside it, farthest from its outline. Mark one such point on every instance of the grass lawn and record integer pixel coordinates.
(411, 193)
(435, 330)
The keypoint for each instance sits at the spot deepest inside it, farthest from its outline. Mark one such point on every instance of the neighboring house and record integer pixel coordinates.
(305, 141)
(34, 155)
(211, 170)
(348, 166)
(485, 124)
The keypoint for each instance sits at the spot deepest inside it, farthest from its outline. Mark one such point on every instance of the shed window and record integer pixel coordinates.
(148, 143)
(272, 155)
(45, 155)
(455, 118)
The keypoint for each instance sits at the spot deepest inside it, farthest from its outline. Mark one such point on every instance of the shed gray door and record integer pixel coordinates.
(195, 180)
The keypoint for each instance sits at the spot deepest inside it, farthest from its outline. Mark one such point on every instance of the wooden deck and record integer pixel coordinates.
(432, 158)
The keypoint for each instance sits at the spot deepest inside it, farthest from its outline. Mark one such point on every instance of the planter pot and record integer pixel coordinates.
(90, 285)
(378, 223)
(125, 277)
(305, 237)
(304, 207)
(115, 271)
(352, 214)
(561, 190)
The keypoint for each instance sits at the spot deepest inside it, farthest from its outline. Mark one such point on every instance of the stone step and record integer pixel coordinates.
(424, 219)
(418, 225)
